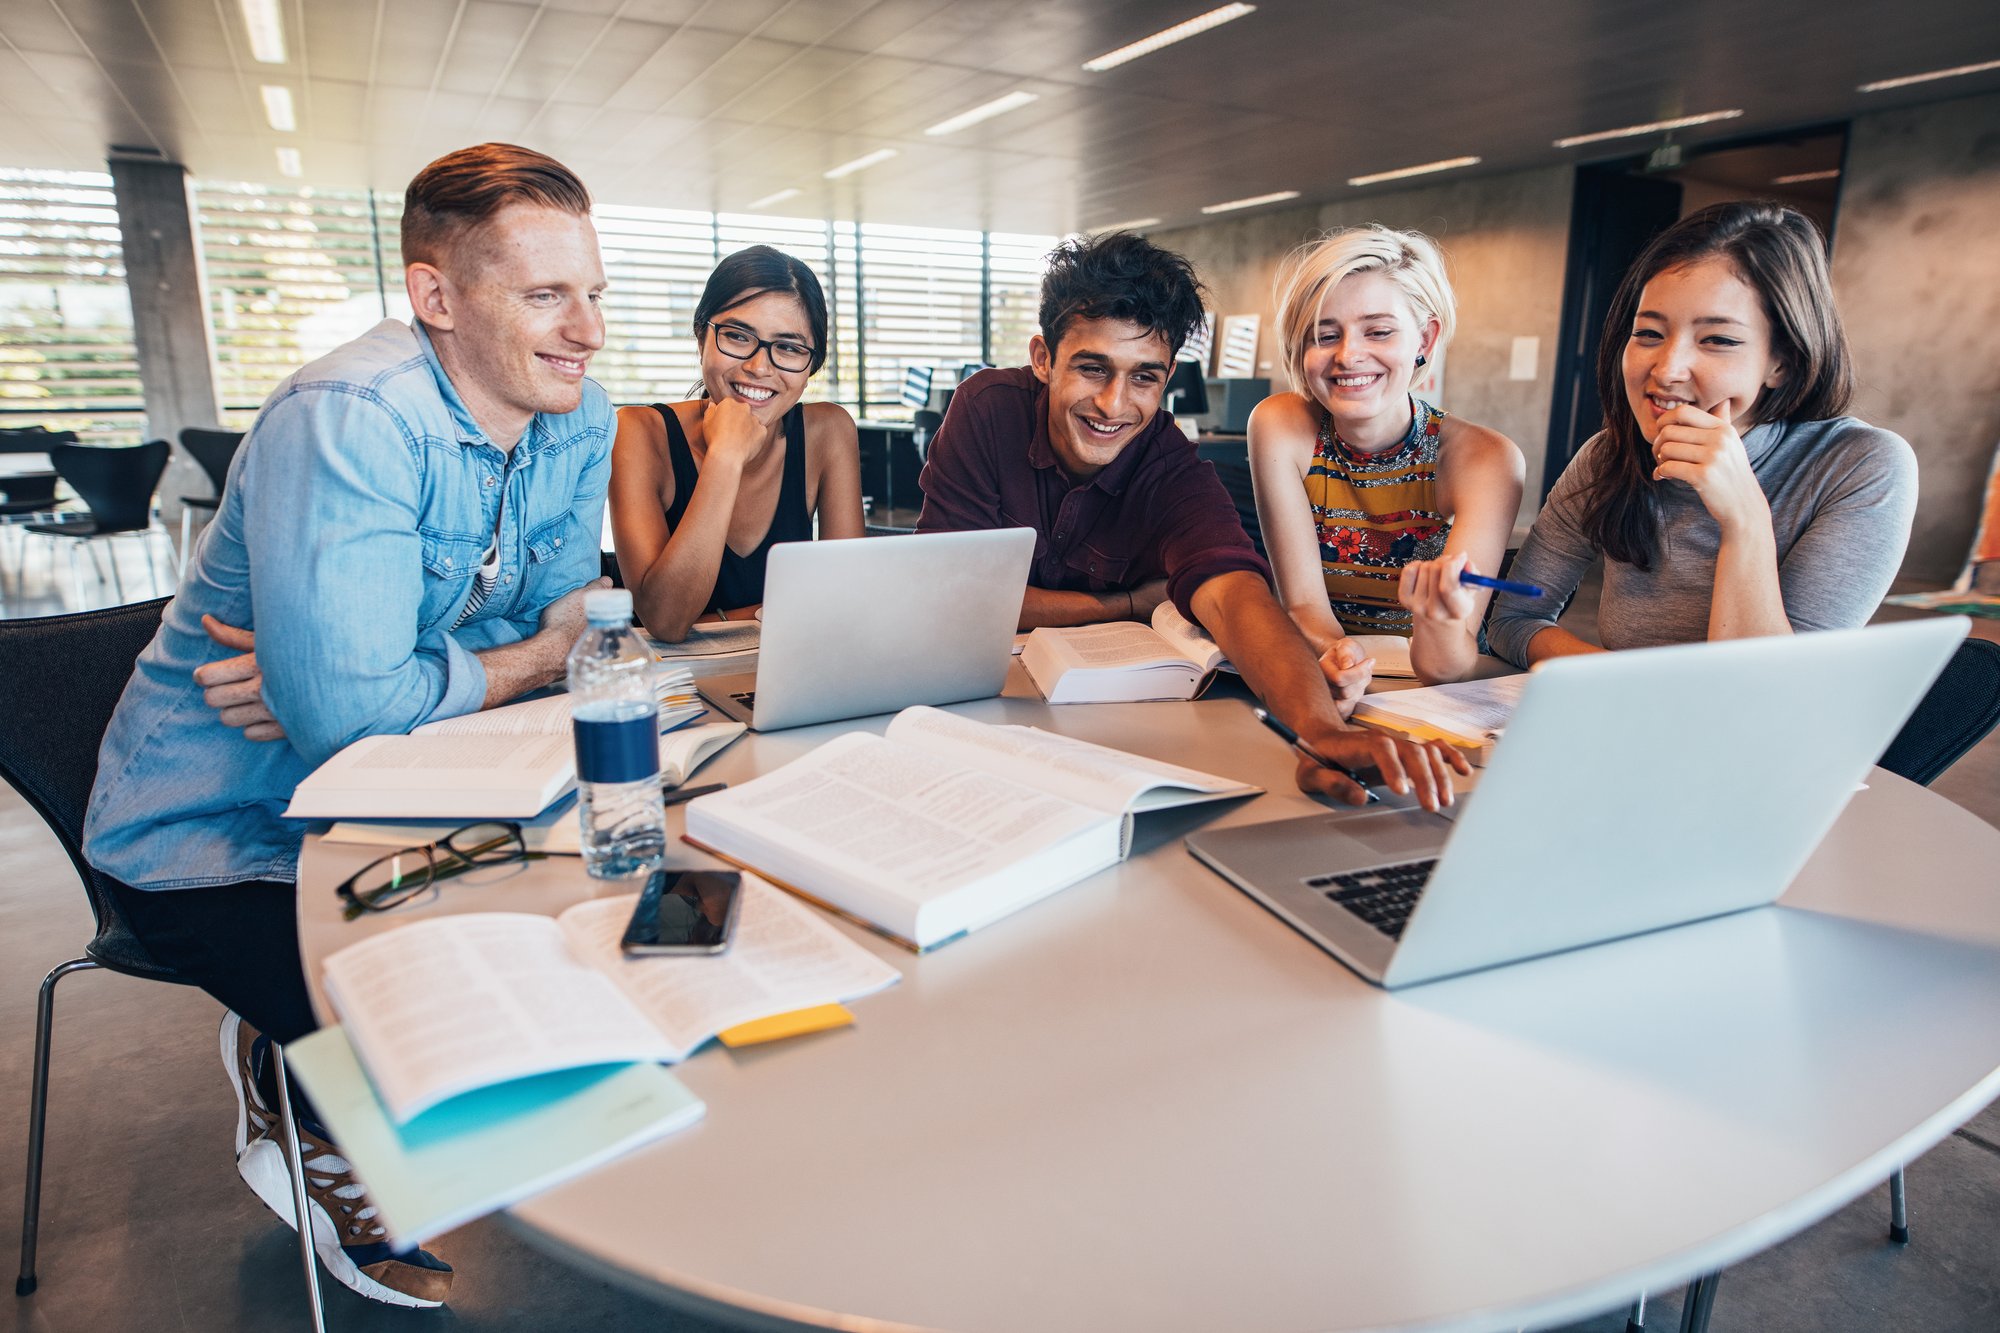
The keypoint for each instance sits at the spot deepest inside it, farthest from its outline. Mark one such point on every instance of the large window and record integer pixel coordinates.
(292, 274)
(66, 358)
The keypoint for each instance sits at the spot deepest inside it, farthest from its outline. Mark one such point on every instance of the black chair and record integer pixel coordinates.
(922, 426)
(213, 450)
(64, 675)
(1959, 710)
(117, 485)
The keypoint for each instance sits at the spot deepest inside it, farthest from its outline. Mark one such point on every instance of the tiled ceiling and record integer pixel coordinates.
(714, 104)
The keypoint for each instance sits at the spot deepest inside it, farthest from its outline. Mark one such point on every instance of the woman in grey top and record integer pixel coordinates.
(1727, 493)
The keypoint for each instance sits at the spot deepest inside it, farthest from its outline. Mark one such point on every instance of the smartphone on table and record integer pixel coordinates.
(684, 912)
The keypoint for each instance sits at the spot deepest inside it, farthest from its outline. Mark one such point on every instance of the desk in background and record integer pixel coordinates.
(1147, 1103)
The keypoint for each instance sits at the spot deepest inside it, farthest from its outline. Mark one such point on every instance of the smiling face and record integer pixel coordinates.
(1700, 337)
(514, 315)
(1105, 379)
(1362, 354)
(778, 318)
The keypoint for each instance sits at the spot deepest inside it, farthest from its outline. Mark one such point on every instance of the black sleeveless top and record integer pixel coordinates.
(740, 580)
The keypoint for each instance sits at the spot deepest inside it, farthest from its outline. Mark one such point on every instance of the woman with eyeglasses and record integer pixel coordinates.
(702, 490)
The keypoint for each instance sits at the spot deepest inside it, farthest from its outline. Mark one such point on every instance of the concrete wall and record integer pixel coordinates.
(1505, 238)
(1916, 268)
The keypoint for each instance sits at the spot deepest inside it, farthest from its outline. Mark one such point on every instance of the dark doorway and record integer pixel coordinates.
(1620, 206)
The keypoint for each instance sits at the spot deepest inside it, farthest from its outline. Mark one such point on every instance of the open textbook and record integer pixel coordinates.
(500, 763)
(1173, 658)
(556, 829)
(488, 1148)
(1470, 714)
(943, 824)
(442, 1006)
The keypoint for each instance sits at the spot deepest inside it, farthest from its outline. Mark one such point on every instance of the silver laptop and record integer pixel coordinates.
(880, 623)
(1632, 791)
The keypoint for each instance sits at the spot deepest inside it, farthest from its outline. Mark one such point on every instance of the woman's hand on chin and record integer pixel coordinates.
(1704, 451)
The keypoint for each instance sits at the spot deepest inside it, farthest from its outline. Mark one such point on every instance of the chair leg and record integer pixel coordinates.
(1699, 1303)
(1899, 1215)
(38, 1114)
(187, 527)
(117, 579)
(1635, 1322)
(301, 1205)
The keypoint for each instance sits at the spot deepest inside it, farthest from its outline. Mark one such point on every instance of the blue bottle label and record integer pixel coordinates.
(618, 749)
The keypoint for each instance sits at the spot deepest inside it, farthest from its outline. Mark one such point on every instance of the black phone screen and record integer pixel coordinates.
(684, 911)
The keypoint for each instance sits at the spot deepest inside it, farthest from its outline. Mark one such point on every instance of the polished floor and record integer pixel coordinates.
(145, 1225)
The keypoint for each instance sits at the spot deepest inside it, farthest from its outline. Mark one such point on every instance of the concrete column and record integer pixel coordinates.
(163, 276)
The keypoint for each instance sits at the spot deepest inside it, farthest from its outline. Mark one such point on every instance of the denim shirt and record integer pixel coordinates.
(349, 538)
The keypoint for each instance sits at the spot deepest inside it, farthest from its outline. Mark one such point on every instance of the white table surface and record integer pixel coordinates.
(1145, 1103)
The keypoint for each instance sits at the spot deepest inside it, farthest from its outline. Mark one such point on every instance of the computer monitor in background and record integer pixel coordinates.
(1231, 401)
(1187, 394)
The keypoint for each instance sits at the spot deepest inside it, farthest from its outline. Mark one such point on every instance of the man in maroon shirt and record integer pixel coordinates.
(1075, 446)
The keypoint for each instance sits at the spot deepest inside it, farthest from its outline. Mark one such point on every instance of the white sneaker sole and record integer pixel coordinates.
(262, 1166)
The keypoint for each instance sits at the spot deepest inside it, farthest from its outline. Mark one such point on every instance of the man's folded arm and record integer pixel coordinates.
(336, 577)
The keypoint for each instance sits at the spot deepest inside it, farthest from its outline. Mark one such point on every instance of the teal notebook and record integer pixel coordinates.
(483, 1150)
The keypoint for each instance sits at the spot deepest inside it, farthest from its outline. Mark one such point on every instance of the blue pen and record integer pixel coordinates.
(1501, 585)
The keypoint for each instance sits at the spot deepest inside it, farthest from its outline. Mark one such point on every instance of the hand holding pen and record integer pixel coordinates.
(1440, 591)
(1347, 764)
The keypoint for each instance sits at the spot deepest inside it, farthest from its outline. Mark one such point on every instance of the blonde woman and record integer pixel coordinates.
(1372, 500)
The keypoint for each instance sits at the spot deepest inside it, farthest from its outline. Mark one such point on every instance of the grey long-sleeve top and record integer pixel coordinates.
(1842, 496)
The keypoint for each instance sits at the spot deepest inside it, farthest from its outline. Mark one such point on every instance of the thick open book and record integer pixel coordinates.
(1470, 714)
(446, 1005)
(488, 1148)
(502, 763)
(556, 829)
(943, 824)
(1122, 661)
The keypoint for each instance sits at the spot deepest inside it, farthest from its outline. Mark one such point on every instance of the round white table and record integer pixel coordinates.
(1145, 1103)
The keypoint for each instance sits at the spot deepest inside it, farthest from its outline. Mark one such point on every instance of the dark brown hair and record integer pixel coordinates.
(1120, 275)
(463, 189)
(1782, 256)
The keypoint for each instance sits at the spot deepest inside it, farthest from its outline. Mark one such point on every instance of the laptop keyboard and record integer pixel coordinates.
(1384, 897)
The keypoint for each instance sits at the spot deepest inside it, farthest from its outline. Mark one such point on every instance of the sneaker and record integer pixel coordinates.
(355, 1249)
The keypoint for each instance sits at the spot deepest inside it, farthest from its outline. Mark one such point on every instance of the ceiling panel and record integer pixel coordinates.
(700, 103)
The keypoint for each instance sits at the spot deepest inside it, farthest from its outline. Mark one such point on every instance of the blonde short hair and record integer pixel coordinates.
(1409, 259)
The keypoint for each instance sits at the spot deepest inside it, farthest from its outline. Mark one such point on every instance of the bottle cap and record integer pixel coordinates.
(608, 606)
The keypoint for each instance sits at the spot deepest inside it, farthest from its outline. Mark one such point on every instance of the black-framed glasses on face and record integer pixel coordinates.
(392, 880)
(733, 340)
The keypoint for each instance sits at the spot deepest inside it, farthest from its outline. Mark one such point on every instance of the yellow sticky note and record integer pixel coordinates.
(794, 1024)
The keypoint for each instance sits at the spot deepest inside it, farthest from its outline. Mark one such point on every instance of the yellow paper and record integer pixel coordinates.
(794, 1024)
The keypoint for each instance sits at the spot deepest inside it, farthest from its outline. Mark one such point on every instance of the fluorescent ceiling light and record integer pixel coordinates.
(860, 163)
(999, 106)
(1650, 127)
(1800, 178)
(1883, 85)
(1252, 201)
(1448, 164)
(1136, 224)
(1180, 32)
(777, 198)
(278, 107)
(289, 163)
(267, 30)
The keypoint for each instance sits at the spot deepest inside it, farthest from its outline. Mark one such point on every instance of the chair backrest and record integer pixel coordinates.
(1955, 714)
(923, 425)
(212, 449)
(64, 676)
(33, 439)
(117, 484)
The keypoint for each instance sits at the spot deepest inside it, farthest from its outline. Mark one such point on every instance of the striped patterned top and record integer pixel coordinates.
(1374, 514)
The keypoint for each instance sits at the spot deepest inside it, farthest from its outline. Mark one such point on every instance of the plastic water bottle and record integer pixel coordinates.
(617, 741)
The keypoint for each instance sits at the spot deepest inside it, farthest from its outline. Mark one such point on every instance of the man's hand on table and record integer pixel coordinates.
(234, 687)
(1422, 768)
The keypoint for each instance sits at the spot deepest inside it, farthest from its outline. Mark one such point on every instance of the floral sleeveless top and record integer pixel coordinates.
(1375, 513)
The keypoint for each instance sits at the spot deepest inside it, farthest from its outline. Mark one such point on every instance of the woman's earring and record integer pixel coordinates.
(1422, 361)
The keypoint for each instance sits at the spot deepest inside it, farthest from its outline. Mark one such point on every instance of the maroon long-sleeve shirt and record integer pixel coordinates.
(1158, 510)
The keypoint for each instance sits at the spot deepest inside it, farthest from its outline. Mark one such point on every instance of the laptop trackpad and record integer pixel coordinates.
(1395, 834)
